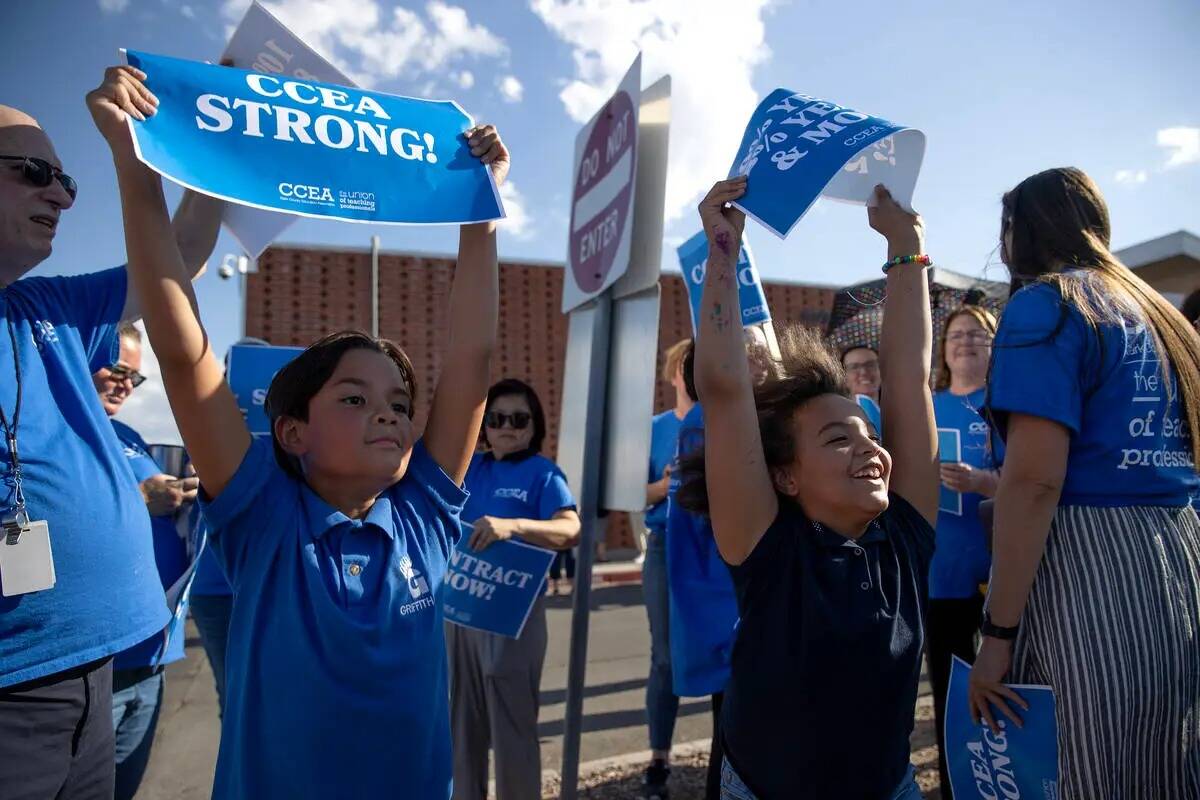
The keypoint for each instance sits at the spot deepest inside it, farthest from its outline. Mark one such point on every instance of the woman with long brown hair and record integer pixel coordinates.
(1095, 585)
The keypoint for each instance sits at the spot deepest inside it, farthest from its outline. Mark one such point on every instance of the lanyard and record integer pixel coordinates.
(10, 430)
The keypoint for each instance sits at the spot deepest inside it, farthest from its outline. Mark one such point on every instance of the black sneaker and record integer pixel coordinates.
(654, 780)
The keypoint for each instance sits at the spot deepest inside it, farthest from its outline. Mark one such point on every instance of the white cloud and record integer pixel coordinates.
(1130, 176)
(464, 79)
(709, 51)
(147, 410)
(510, 89)
(517, 222)
(371, 45)
(113, 6)
(1184, 144)
(187, 11)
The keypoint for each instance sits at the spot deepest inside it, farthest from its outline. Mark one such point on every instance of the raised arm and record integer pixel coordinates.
(453, 427)
(741, 496)
(205, 409)
(905, 351)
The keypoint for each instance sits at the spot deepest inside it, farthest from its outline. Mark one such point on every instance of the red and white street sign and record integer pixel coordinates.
(603, 194)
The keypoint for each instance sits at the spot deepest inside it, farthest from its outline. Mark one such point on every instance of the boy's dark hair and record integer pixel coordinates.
(1190, 307)
(294, 386)
(806, 368)
(512, 386)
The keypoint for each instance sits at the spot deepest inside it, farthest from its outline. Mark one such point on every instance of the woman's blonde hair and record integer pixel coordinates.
(986, 320)
(673, 359)
(1060, 235)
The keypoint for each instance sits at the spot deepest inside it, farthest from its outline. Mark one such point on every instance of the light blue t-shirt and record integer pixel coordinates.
(961, 560)
(107, 596)
(336, 671)
(703, 604)
(170, 556)
(1129, 442)
(516, 487)
(664, 438)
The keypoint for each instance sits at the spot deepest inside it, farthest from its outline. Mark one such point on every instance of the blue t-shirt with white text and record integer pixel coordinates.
(516, 487)
(336, 672)
(107, 595)
(1129, 439)
(961, 560)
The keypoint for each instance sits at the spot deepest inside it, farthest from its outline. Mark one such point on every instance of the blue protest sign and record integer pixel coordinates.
(494, 589)
(797, 148)
(251, 369)
(1017, 762)
(311, 148)
(693, 260)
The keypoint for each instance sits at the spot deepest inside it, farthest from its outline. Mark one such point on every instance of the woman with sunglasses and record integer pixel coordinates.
(515, 493)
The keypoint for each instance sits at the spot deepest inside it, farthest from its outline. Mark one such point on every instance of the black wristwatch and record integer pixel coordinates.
(996, 631)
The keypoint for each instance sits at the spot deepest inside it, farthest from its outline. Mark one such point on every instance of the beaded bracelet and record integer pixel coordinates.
(898, 260)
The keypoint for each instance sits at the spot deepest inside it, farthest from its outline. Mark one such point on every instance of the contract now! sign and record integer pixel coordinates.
(601, 230)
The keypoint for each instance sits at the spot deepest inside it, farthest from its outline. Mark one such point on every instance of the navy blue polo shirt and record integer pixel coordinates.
(336, 665)
(827, 656)
(170, 557)
(107, 596)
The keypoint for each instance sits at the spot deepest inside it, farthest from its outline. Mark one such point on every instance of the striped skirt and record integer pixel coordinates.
(1113, 625)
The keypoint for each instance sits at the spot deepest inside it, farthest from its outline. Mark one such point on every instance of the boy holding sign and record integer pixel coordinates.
(335, 534)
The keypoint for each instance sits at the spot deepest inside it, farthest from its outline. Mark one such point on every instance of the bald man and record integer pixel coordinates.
(78, 581)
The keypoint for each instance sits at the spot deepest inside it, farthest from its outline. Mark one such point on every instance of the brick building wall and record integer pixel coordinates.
(299, 294)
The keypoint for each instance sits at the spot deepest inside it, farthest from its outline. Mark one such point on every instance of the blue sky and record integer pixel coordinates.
(1001, 90)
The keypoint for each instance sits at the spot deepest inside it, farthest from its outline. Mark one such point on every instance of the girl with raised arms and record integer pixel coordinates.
(828, 535)
(335, 532)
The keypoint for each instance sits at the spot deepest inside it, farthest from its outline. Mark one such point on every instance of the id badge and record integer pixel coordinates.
(26, 563)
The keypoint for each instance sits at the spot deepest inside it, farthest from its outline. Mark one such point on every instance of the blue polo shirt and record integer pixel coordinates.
(703, 605)
(210, 580)
(1129, 439)
(828, 656)
(170, 556)
(664, 438)
(961, 560)
(520, 486)
(107, 596)
(336, 666)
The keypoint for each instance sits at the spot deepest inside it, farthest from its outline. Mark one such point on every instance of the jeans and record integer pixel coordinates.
(211, 613)
(662, 705)
(732, 787)
(135, 708)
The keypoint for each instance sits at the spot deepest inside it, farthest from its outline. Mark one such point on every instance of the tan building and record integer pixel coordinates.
(1171, 264)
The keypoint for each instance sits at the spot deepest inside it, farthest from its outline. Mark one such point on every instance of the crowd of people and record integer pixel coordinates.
(807, 556)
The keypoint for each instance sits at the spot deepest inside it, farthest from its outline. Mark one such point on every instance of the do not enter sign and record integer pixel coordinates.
(603, 194)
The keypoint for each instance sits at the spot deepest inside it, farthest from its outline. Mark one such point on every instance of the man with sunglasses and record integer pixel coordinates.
(78, 582)
(138, 671)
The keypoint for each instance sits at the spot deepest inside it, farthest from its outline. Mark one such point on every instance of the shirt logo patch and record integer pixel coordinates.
(515, 494)
(418, 587)
(44, 333)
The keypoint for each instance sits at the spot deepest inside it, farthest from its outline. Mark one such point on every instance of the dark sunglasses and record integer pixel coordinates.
(121, 372)
(40, 172)
(520, 420)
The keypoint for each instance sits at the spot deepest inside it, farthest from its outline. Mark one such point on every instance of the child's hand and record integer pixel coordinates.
(724, 225)
(122, 92)
(486, 145)
(903, 230)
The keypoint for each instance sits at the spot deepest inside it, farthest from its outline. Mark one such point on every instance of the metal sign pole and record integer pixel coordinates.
(589, 506)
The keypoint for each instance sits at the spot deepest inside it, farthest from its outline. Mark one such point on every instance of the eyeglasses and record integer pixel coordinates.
(978, 337)
(866, 366)
(519, 420)
(120, 372)
(40, 172)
